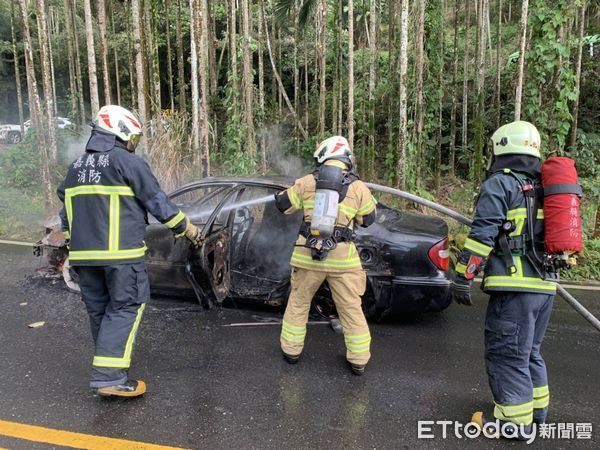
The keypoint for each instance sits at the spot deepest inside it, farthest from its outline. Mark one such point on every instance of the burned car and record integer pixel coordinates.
(249, 242)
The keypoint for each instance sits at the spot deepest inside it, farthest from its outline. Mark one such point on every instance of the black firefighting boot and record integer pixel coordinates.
(499, 428)
(291, 359)
(132, 388)
(357, 369)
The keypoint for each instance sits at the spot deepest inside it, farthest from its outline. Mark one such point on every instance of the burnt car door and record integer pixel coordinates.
(168, 257)
(262, 241)
(211, 262)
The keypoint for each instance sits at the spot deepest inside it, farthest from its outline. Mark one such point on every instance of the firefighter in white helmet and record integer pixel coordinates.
(107, 194)
(333, 201)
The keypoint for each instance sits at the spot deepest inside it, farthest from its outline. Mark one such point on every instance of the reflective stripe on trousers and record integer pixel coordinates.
(514, 330)
(346, 289)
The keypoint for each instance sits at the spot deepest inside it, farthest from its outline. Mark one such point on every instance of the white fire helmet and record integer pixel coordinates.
(120, 122)
(334, 148)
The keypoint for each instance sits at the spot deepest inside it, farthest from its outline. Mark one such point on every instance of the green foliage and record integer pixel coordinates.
(588, 264)
(19, 165)
(550, 75)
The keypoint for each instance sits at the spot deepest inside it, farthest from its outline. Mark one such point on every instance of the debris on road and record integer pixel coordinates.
(23, 304)
(36, 324)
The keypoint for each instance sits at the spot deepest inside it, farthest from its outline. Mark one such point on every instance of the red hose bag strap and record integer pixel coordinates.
(562, 199)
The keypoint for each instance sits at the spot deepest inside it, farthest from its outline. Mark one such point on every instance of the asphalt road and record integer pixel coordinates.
(217, 387)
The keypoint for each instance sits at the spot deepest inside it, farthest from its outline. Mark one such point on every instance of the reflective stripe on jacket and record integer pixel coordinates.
(501, 199)
(358, 203)
(106, 194)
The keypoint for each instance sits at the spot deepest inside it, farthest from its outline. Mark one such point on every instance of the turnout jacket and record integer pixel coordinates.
(106, 196)
(502, 199)
(358, 207)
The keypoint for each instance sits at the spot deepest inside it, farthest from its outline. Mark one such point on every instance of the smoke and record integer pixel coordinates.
(73, 147)
(279, 160)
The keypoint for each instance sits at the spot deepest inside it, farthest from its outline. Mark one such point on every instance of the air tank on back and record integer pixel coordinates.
(330, 180)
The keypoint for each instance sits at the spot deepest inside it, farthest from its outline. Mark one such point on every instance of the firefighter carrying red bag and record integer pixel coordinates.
(521, 260)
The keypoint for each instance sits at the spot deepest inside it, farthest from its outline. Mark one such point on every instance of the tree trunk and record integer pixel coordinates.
(278, 79)
(195, 93)
(419, 108)
(180, 61)
(52, 75)
(115, 57)
(91, 57)
(452, 150)
(233, 70)
(336, 81)
(573, 141)
(152, 45)
(71, 59)
(104, 51)
(169, 54)
(132, 61)
(522, 46)
(498, 86)
(403, 63)
(306, 88)
(261, 86)
(438, 159)
(17, 68)
(47, 79)
(479, 141)
(204, 113)
(296, 71)
(139, 64)
(79, 78)
(465, 99)
(35, 108)
(374, 32)
(351, 73)
(321, 55)
(247, 82)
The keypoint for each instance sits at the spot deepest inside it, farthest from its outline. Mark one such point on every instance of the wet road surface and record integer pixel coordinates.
(217, 387)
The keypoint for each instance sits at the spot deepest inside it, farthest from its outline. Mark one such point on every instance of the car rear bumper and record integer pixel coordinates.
(410, 295)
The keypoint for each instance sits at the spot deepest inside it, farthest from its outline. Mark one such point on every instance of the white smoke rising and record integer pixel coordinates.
(74, 146)
(280, 161)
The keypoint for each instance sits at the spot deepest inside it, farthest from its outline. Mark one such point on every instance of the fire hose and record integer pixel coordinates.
(572, 301)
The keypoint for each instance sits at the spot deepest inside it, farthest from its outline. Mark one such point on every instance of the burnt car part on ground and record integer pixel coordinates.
(248, 244)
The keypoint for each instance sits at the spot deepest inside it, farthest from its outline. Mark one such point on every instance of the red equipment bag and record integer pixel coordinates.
(562, 198)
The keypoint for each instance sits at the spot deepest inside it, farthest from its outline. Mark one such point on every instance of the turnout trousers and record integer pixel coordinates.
(514, 330)
(346, 289)
(115, 297)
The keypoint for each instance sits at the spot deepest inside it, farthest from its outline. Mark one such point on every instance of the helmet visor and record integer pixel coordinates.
(134, 141)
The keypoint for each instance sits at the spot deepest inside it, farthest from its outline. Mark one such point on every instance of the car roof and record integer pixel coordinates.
(275, 181)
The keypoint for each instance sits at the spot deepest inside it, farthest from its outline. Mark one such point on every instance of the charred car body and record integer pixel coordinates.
(248, 244)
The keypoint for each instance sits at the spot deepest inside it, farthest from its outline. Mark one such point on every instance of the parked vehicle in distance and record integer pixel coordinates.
(61, 122)
(11, 134)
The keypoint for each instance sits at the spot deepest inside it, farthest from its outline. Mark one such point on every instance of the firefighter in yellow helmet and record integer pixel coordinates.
(333, 200)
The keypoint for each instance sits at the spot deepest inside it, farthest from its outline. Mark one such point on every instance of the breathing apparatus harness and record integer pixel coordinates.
(329, 178)
(525, 244)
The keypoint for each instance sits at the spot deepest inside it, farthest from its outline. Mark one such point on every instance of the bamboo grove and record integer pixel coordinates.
(227, 86)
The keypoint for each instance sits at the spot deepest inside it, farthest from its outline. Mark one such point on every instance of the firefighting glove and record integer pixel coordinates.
(461, 290)
(467, 266)
(193, 234)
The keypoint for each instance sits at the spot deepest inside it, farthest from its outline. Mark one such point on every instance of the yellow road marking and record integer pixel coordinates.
(71, 439)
